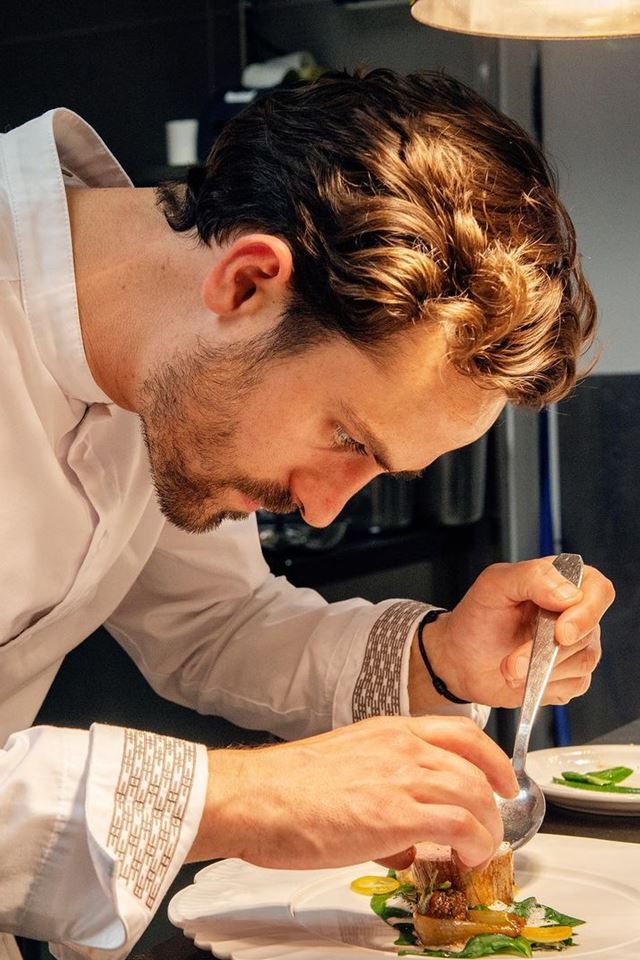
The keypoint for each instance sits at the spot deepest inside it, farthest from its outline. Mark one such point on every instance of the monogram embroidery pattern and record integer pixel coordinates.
(377, 689)
(151, 798)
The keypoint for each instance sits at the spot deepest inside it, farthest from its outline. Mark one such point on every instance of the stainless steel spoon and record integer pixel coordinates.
(523, 815)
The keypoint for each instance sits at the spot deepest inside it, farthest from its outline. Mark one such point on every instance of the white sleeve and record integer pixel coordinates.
(93, 829)
(211, 628)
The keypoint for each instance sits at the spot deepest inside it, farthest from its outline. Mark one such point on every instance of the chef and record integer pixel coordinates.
(364, 272)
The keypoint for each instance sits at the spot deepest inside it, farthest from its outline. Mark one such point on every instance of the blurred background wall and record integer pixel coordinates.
(126, 67)
(591, 122)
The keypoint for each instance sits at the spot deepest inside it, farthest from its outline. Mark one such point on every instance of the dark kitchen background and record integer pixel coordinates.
(129, 68)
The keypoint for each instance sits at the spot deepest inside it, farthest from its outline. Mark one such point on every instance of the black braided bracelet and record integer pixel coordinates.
(438, 684)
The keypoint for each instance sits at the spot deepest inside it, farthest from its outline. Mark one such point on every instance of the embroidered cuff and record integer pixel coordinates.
(382, 684)
(149, 806)
(142, 808)
(378, 688)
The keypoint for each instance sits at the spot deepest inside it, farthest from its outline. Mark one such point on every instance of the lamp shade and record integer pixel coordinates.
(533, 19)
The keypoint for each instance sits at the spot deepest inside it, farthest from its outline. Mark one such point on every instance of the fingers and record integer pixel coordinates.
(575, 662)
(458, 828)
(399, 861)
(459, 769)
(580, 618)
(463, 737)
(572, 676)
(576, 627)
(580, 660)
(562, 691)
(458, 784)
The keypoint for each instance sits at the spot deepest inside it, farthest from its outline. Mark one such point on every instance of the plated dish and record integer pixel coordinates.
(242, 912)
(437, 908)
(544, 765)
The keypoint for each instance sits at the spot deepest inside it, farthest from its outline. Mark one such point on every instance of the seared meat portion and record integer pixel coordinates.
(434, 864)
(447, 904)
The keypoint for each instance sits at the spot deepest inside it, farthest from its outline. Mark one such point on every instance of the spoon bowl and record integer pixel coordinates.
(522, 817)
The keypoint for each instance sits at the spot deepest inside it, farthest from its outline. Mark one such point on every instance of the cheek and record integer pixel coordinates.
(265, 444)
(282, 419)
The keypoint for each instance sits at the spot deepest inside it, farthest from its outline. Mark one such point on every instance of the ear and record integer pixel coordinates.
(252, 273)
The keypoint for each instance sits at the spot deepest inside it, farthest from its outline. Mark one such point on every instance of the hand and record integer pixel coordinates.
(482, 648)
(368, 791)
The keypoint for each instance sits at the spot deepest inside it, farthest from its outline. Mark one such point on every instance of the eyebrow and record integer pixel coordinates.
(376, 447)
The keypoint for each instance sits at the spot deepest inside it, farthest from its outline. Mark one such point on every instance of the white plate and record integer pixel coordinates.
(544, 765)
(242, 912)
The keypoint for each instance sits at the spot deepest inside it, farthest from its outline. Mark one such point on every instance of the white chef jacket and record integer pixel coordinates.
(94, 825)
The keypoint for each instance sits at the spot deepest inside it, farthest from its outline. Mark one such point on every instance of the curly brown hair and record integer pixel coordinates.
(405, 200)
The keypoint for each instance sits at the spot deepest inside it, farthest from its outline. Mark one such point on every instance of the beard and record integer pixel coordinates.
(190, 411)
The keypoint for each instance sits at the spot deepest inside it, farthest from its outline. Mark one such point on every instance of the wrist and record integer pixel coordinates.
(423, 694)
(217, 833)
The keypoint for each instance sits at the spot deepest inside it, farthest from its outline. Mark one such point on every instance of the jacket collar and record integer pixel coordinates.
(41, 157)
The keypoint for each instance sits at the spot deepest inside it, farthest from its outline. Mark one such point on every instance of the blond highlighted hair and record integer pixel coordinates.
(405, 200)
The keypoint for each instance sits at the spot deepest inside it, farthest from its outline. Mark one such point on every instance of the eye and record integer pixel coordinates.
(343, 441)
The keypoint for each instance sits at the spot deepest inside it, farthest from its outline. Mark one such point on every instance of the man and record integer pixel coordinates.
(364, 272)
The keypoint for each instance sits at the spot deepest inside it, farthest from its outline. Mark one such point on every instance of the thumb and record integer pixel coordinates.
(399, 861)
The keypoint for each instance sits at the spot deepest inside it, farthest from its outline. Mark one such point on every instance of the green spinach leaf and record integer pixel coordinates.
(406, 934)
(483, 945)
(561, 919)
(524, 908)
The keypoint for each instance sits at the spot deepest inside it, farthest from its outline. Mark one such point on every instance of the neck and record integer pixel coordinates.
(136, 280)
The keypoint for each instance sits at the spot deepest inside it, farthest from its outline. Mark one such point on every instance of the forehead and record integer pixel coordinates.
(425, 400)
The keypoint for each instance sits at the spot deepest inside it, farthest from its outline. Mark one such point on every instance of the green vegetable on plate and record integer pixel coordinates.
(396, 908)
(599, 781)
(483, 945)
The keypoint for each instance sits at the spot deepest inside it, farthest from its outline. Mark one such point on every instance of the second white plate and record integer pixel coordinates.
(544, 765)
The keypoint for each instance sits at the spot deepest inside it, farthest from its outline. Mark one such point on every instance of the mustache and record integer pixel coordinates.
(271, 496)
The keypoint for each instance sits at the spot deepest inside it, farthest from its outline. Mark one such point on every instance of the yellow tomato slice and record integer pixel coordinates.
(546, 934)
(370, 885)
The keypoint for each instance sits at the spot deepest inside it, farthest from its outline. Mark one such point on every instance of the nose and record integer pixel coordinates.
(323, 494)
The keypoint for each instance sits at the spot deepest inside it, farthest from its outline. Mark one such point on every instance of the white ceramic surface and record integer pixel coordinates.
(242, 912)
(544, 765)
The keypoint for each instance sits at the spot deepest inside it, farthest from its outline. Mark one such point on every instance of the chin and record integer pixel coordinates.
(197, 520)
